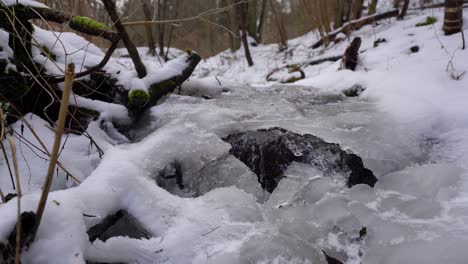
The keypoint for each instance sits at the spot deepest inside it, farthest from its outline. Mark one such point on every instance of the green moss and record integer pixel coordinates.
(138, 97)
(429, 21)
(88, 23)
(188, 51)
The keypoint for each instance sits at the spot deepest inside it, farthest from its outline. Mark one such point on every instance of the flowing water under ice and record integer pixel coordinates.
(409, 215)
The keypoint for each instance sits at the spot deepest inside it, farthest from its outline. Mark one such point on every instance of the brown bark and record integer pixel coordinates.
(350, 58)
(162, 6)
(243, 10)
(261, 20)
(233, 25)
(404, 9)
(132, 50)
(148, 28)
(338, 13)
(356, 9)
(251, 20)
(453, 16)
(20, 41)
(373, 7)
(282, 35)
(175, 14)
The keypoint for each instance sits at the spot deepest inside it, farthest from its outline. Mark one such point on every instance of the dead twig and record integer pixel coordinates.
(211, 231)
(18, 192)
(70, 75)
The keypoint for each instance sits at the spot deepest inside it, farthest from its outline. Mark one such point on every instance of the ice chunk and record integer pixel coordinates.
(429, 180)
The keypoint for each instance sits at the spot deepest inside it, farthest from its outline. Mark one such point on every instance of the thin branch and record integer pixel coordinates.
(70, 75)
(18, 192)
(199, 16)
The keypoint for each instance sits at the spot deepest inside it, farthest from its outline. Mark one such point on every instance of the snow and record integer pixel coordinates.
(31, 3)
(410, 126)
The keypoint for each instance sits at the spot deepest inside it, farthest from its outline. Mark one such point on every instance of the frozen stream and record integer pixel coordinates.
(415, 214)
(410, 216)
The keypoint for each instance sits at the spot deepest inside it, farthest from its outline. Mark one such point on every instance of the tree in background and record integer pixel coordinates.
(243, 10)
(161, 15)
(261, 20)
(279, 22)
(404, 9)
(340, 12)
(373, 7)
(453, 16)
(356, 9)
(145, 5)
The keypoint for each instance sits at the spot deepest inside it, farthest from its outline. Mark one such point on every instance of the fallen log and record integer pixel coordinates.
(20, 29)
(322, 60)
(355, 25)
(140, 98)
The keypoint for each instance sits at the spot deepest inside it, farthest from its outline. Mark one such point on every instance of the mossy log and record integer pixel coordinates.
(15, 20)
(32, 90)
(139, 100)
(79, 23)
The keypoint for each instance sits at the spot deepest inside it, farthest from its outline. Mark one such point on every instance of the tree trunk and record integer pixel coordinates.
(283, 38)
(404, 9)
(324, 16)
(252, 19)
(132, 50)
(356, 9)
(453, 16)
(338, 13)
(350, 58)
(243, 10)
(162, 5)
(261, 20)
(148, 28)
(233, 25)
(175, 15)
(373, 7)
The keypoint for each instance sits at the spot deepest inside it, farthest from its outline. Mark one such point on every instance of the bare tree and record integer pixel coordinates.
(404, 9)
(162, 8)
(373, 7)
(356, 9)
(278, 17)
(453, 16)
(243, 11)
(339, 13)
(261, 19)
(324, 16)
(132, 50)
(233, 25)
(175, 15)
(148, 27)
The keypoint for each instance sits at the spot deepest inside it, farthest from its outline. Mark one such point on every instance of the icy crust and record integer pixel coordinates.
(307, 212)
(79, 156)
(417, 213)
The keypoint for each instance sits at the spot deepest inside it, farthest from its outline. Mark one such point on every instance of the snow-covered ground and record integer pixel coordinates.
(410, 125)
